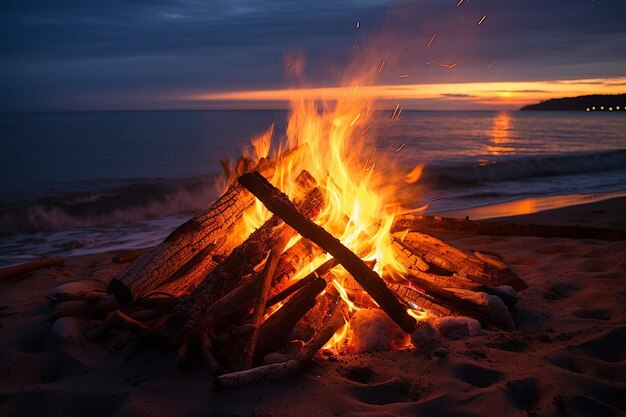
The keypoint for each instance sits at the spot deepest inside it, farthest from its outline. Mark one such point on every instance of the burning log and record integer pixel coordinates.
(280, 323)
(468, 304)
(290, 367)
(454, 261)
(264, 290)
(191, 313)
(187, 278)
(209, 227)
(319, 272)
(234, 305)
(436, 224)
(279, 204)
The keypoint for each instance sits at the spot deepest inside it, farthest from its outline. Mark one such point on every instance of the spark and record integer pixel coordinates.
(401, 147)
(432, 38)
(433, 61)
(395, 111)
(404, 75)
(491, 65)
(358, 116)
(382, 65)
(358, 24)
(460, 2)
(482, 19)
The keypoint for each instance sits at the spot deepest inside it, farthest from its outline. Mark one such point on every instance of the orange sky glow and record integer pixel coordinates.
(487, 95)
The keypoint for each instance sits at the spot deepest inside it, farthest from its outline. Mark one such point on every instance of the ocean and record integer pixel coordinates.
(83, 182)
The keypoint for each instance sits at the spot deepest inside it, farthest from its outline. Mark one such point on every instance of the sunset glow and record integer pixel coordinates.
(488, 95)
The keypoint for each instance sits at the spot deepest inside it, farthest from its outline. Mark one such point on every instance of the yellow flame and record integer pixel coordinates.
(414, 175)
(360, 202)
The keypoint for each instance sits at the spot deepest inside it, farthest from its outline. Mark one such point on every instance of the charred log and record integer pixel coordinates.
(279, 204)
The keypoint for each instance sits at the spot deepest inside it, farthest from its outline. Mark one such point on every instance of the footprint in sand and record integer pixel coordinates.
(559, 291)
(609, 346)
(523, 393)
(476, 375)
(592, 314)
(394, 390)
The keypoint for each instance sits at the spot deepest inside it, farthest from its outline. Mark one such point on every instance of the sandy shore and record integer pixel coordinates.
(567, 356)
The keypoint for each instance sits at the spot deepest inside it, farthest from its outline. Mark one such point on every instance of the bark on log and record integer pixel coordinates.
(263, 294)
(278, 324)
(279, 204)
(18, 270)
(319, 272)
(290, 367)
(237, 303)
(120, 319)
(416, 299)
(187, 278)
(443, 281)
(192, 312)
(457, 262)
(452, 300)
(436, 224)
(156, 266)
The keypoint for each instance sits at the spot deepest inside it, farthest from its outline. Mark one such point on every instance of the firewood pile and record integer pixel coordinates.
(254, 307)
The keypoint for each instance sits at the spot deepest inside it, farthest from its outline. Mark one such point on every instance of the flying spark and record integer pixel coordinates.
(382, 65)
(482, 19)
(432, 38)
(395, 111)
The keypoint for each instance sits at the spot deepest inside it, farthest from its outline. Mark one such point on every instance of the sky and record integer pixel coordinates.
(424, 54)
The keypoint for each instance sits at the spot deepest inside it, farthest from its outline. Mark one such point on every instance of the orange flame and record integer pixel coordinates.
(360, 201)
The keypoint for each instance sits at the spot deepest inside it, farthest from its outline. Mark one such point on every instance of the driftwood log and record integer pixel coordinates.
(454, 261)
(191, 313)
(279, 204)
(280, 370)
(12, 272)
(209, 227)
(436, 224)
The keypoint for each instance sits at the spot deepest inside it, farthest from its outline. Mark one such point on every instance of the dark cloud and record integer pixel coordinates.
(458, 95)
(60, 54)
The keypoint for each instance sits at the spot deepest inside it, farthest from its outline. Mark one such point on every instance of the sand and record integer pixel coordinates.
(567, 356)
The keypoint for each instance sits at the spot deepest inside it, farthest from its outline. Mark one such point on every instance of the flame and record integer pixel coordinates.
(360, 201)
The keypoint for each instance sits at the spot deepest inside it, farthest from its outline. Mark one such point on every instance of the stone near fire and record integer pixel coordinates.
(373, 330)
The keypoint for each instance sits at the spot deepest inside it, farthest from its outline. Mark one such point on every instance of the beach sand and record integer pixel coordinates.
(567, 356)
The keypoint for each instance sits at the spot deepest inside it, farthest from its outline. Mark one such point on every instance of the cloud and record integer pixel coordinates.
(457, 95)
(71, 52)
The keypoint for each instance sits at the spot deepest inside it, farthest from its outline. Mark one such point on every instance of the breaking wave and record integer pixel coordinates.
(441, 175)
(127, 202)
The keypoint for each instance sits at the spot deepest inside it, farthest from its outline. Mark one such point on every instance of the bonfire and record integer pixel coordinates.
(306, 251)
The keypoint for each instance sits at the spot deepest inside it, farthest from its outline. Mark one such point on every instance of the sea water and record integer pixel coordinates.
(83, 182)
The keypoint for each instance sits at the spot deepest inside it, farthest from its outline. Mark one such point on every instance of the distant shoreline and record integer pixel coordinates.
(609, 102)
